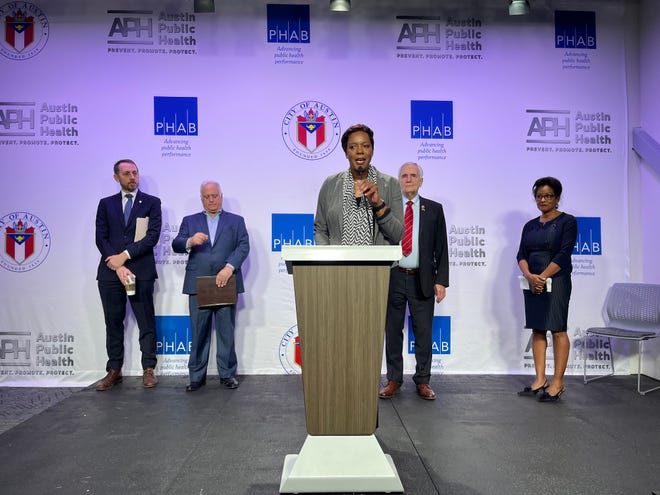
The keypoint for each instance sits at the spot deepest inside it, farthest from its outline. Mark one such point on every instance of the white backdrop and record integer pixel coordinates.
(513, 105)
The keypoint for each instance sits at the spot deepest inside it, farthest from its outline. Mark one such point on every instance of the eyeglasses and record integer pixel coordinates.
(209, 197)
(539, 197)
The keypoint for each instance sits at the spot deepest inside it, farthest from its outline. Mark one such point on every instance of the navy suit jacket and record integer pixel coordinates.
(113, 236)
(231, 245)
(433, 254)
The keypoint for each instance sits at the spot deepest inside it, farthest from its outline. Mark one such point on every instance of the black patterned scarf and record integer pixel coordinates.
(358, 225)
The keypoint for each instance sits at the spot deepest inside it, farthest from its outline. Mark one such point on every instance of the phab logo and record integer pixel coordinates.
(17, 118)
(311, 130)
(441, 335)
(549, 127)
(588, 239)
(26, 241)
(173, 335)
(431, 119)
(575, 29)
(289, 351)
(292, 229)
(175, 116)
(287, 23)
(25, 30)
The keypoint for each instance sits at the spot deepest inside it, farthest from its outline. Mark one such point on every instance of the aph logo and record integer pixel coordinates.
(311, 130)
(575, 29)
(441, 335)
(175, 116)
(588, 239)
(17, 118)
(292, 229)
(15, 349)
(26, 241)
(131, 27)
(419, 34)
(431, 119)
(25, 30)
(287, 23)
(549, 127)
(173, 335)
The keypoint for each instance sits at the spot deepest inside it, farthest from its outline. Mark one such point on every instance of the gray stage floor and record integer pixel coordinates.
(477, 438)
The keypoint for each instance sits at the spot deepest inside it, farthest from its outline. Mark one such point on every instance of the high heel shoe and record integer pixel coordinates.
(531, 392)
(546, 397)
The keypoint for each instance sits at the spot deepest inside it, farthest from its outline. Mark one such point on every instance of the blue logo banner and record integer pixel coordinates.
(173, 335)
(588, 239)
(431, 119)
(175, 116)
(292, 229)
(441, 335)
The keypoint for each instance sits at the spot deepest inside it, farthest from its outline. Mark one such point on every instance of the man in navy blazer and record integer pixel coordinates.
(419, 280)
(217, 244)
(127, 229)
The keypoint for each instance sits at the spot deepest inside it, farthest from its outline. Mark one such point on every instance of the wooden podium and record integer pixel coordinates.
(341, 302)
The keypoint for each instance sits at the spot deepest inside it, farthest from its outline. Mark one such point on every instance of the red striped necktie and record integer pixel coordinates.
(406, 243)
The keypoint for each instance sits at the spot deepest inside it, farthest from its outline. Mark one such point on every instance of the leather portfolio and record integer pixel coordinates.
(210, 295)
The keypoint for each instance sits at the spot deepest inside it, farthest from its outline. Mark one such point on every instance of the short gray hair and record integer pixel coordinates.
(207, 182)
(421, 170)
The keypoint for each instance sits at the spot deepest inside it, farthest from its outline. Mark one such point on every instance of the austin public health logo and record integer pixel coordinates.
(292, 229)
(575, 30)
(25, 30)
(175, 116)
(311, 130)
(441, 335)
(588, 239)
(26, 241)
(287, 23)
(289, 351)
(431, 119)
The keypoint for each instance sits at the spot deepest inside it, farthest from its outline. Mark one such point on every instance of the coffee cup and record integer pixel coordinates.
(130, 285)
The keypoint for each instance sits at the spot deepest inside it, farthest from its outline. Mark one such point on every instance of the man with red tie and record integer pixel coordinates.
(419, 281)
(127, 229)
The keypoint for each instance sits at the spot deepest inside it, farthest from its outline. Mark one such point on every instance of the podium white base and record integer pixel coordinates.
(326, 464)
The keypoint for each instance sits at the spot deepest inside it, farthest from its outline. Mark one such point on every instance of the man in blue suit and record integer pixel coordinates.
(419, 280)
(127, 229)
(217, 244)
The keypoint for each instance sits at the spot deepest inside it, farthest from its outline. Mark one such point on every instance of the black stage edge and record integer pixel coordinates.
(477, 438)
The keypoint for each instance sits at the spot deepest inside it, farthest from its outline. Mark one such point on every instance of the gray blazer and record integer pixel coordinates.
(329, 212)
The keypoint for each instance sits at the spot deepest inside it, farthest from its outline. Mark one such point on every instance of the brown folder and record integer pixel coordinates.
(210, 295)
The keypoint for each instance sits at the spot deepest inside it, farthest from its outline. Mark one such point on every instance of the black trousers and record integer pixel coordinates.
(113, 298)
(405, 290)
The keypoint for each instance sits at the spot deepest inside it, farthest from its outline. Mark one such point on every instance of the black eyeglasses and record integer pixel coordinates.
(539, 197)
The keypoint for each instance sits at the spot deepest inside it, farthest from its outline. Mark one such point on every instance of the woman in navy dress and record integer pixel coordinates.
(545, 250)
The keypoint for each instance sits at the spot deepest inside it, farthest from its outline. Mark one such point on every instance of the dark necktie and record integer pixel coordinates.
(406, 243)
(127, 207)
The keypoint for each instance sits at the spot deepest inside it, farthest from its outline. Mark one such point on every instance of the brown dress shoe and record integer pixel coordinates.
(425, 391)
(149, 380)
(113, 376)
(388, 391)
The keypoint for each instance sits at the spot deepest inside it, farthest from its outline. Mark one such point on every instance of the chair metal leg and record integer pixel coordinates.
(640, 347)
(587, 380)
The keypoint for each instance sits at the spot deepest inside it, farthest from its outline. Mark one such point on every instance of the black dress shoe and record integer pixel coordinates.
(546, 397)
(230, 382)
(195, 386)
(531, 392)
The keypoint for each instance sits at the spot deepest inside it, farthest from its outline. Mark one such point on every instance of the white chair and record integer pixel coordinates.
(633, 313)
